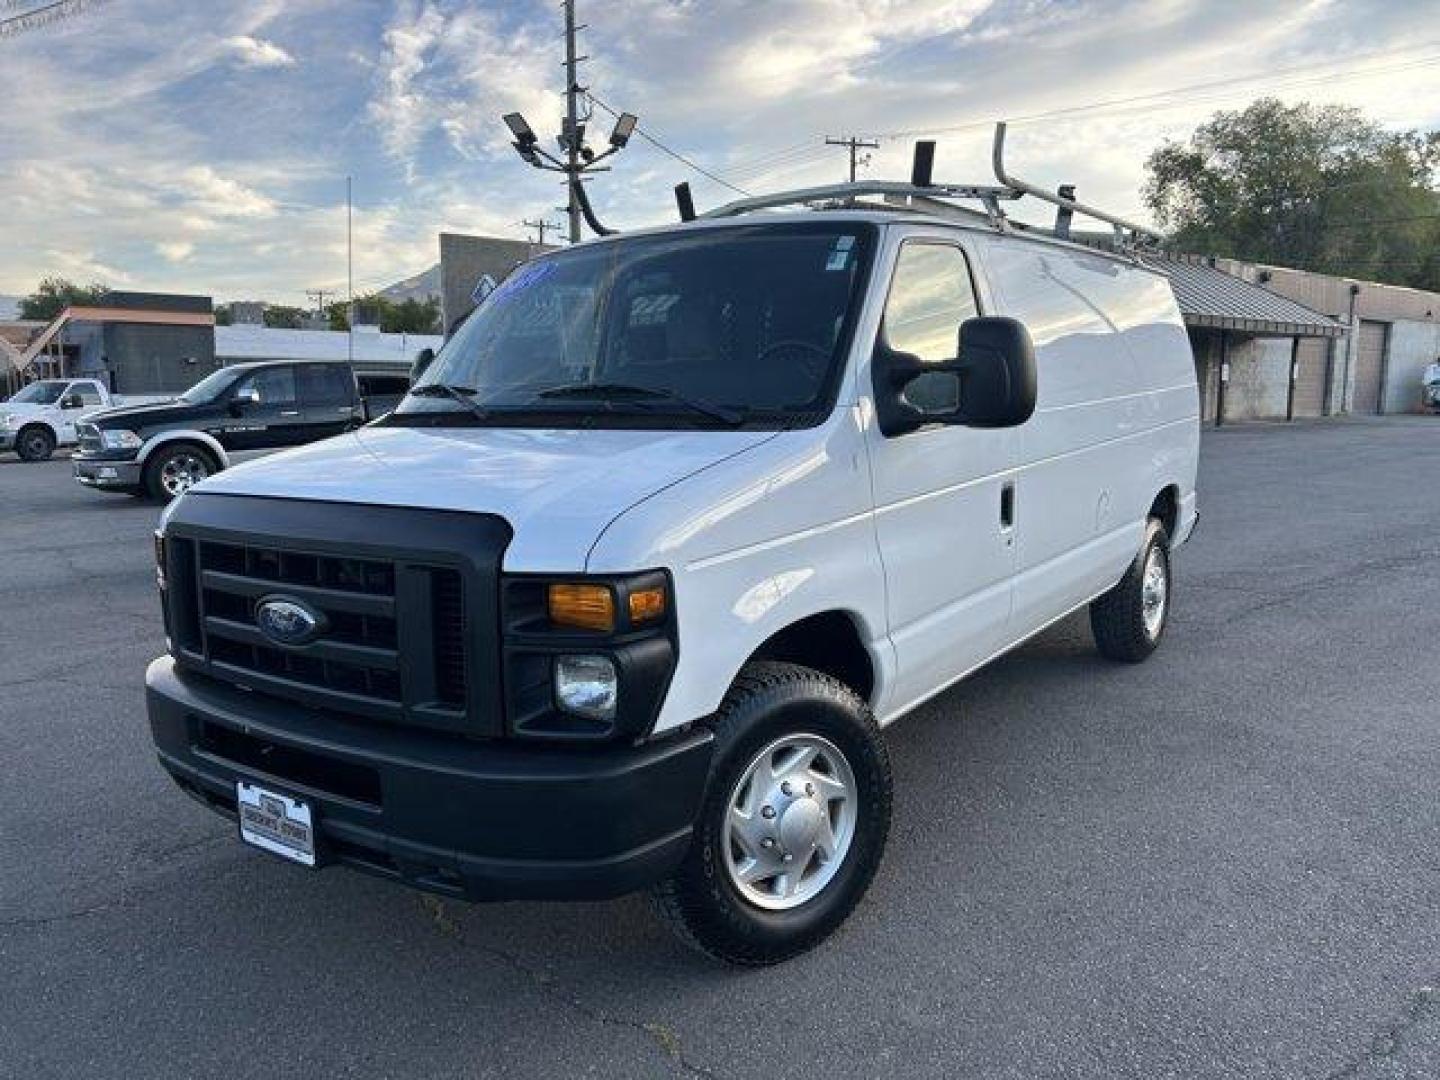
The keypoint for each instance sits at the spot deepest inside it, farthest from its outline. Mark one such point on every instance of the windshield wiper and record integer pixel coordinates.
(612, 390)
(463, 394)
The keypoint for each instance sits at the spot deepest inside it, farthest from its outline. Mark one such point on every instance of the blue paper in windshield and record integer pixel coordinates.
(521, 280)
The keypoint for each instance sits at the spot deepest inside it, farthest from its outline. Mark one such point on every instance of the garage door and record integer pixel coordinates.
(1310, 381)
(1369, 367)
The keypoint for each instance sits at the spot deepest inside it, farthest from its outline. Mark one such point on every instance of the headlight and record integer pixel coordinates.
(120, 440)
(9, 420)
(587, 686)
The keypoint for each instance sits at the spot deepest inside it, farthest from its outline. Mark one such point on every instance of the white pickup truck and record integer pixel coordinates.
(42, 416)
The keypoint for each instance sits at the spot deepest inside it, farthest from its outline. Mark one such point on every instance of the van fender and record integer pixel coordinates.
(164, 438)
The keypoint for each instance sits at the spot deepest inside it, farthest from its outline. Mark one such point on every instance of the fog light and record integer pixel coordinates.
(587, 686)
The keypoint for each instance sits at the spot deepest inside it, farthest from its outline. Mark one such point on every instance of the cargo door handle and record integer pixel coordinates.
(289, 412)
(1007, 506)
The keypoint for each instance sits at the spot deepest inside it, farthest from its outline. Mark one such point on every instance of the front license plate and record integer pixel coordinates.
(275, 822)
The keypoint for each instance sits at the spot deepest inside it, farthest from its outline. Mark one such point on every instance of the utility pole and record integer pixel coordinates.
(855, 145)
(541, 227)
(576, 158)
(318, 295)
(571, 135)
(350, 268)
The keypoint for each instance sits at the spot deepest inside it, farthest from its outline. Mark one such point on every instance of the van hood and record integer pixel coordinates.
(558, 489)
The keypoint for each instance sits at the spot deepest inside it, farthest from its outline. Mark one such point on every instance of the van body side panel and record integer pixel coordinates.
(755, 544)
(1115, 419)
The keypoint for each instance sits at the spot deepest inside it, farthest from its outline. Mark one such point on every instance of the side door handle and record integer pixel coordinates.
(1007, 509)
(289, 412)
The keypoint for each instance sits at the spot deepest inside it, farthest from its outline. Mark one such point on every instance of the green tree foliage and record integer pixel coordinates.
(407, 317)
(55, 294)
(1318, 188)
(223, 315)
(282, 317)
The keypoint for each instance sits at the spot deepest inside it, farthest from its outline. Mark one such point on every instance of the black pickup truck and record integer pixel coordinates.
(237, 412)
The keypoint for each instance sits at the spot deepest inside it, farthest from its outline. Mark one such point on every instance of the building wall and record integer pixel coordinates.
(1414, 345)
(156, 359)
(1411, 315)
(465, 259)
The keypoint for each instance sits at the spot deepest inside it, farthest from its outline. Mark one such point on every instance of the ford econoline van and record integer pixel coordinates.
(628, 591)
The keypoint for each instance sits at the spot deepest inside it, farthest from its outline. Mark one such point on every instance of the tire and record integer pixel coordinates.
(772, 710)
(1126, 624)
(35, 443)
(175, 469)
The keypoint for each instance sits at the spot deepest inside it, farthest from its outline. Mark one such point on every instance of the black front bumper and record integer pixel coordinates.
(469, 818)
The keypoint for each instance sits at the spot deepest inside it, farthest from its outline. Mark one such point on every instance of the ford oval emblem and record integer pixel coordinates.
(287, 621)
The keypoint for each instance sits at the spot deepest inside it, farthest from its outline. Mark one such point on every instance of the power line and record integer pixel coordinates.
(43, 15)
(655, 142)
(1226, 84)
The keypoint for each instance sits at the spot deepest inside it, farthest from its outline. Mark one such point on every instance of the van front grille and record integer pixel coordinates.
(405, 604)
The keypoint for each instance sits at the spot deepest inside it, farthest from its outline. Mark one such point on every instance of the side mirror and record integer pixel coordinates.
(423, 359)
(71, 401)
(990, 385)
(997, 373)
(244, 399)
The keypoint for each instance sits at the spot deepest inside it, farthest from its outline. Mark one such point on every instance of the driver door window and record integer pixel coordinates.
(931, 295)
(273, 420)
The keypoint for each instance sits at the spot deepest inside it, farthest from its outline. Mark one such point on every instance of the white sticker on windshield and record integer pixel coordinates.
(838, 260)
(844, 243)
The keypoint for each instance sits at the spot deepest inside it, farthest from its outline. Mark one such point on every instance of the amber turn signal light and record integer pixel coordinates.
(586, 607)
(647, 605)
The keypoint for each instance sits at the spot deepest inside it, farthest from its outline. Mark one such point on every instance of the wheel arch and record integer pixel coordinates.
(183, 435)
(1166, 507)
(827, 641)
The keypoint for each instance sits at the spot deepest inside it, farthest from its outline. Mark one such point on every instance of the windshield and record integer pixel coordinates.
(210, 387)
(40, 393)
(742, 325)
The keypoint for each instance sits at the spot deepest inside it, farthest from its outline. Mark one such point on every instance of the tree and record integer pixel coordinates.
(55, 294)
(282, 317)
(1318, 188)
(407, 317)
(223, 315)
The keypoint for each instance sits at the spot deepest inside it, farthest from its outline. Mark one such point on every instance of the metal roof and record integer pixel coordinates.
(1212, 298)
(236, 344)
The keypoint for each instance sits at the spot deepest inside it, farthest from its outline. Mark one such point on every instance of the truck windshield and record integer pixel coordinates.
(742, 325)
(210, 387)
(40, 393)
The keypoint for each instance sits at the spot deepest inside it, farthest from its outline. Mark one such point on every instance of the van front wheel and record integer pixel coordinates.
(793, 823)
(1130, 619)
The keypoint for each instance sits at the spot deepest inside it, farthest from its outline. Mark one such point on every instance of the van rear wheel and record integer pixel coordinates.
(1129, 620)
(793, 823)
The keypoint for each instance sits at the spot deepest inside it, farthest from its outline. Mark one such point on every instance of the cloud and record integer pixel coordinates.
(257, 53)
(148, 160)
(175, 250)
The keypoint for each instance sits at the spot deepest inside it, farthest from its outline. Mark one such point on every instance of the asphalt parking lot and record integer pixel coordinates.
(1221, 863)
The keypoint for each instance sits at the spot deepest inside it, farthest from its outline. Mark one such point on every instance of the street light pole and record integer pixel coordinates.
(576, 159)
(571, 132)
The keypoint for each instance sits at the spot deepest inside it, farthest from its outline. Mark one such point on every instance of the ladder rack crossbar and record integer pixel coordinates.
(920, 196)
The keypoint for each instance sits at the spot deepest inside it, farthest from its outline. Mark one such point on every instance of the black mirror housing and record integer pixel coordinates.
(71, 401)
(997, 373)
(423, 359)
(993, 378)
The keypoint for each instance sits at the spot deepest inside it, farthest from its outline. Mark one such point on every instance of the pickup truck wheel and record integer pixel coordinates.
(174, 470)
(35, 443)
(1129, 620)
(793, 823)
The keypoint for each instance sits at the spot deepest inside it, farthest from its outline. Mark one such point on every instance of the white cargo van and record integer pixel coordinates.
(625, 592)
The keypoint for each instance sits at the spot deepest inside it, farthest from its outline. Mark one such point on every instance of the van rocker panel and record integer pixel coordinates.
(471, 818)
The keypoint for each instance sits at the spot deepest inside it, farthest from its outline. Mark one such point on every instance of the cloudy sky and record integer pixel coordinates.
(192, 147)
